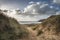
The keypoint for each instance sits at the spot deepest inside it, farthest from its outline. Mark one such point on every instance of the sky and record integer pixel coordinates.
(18, 3)
(33, 10)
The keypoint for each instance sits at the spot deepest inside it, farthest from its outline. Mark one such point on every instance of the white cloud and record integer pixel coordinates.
(31, 2)
(43, 10)
(51, 7)
(21, 17)
(34, 12)
(56, 1)
(39, 8)
(26, 18)
(38, 3)
(30, 8)
(43, 5)
(33, 8)
(30, 17)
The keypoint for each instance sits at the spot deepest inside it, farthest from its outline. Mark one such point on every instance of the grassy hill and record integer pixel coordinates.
(49, 29)
(10, 29)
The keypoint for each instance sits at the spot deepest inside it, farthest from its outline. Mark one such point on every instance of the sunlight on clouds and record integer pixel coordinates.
(38, 3)
(39, 8)
(34, 11)
(43, 5)
(31, 8)
(21, 17)
(51, 7)
(31, 2)
(25, 18)
(10, 13)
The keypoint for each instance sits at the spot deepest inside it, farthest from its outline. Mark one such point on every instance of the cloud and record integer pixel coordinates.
(31, 2)
(56, 1)
(30, 17)
(39, 8)
(33, 8)
(35, 11)
(25, 17)
(21, 17)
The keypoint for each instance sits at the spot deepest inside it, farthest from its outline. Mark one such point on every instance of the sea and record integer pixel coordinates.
(29, 22)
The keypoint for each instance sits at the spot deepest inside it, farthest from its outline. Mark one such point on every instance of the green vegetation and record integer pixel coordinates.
(10, 29)
(53, 23)
(39, 32)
